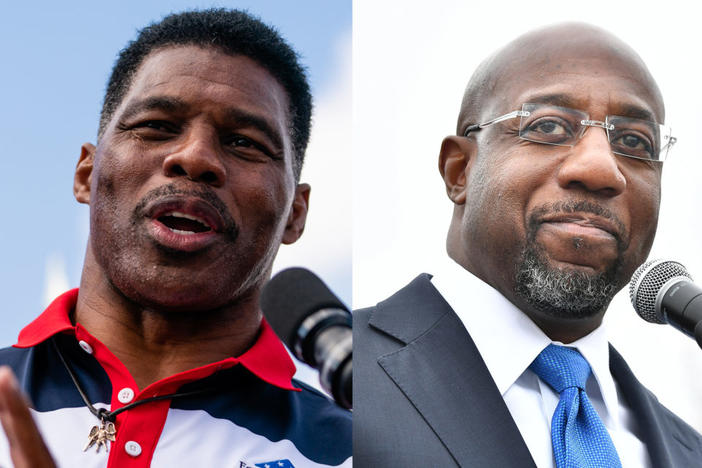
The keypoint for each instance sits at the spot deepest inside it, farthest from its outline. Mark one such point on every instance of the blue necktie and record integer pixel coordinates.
(579, 436)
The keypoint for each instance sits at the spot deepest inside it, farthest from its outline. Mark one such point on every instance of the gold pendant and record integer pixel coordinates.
(101, 435)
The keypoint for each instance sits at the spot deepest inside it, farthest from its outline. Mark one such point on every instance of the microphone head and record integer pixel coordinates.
(647, 282)
(292, 295)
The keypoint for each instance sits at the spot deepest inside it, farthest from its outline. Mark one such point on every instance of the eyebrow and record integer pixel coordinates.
(566, 100)
(248, 119)
(164, 103)
(636, 112)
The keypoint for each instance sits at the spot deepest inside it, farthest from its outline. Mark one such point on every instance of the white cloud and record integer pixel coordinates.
(55, 278)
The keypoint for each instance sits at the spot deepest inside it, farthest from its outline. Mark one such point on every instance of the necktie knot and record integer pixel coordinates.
(579, 437)
(561, 368)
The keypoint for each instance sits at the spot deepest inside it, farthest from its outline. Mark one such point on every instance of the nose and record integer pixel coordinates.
(592, 166)
(197, 158)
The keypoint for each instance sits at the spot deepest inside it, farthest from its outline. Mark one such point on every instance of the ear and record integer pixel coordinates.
(84, 173)
(455, 159)
(298, 215)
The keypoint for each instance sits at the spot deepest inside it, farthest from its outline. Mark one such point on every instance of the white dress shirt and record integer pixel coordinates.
(509, 341)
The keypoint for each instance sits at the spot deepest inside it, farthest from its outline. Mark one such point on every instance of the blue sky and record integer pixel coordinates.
(57, 59)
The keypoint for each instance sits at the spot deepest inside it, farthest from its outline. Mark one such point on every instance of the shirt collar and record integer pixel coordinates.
(266, 358)
(507, 339)
(595, 348)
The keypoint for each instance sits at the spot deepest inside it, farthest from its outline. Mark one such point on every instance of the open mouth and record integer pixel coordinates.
(182, 223)
(186, 221)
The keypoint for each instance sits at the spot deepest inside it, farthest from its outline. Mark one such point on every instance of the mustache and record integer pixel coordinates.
(578, 206)
(203, 193)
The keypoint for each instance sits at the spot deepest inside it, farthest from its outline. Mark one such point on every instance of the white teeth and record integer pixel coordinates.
(178, 214)
(178, 231)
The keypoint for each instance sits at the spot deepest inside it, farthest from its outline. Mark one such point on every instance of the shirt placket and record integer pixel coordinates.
(138, 429)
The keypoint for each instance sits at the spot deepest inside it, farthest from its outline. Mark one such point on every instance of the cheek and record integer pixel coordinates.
(262, 195)
(506, 186)
(494, 204)
(644, 218)
(121, 175)
(643, 195)
(103, 191)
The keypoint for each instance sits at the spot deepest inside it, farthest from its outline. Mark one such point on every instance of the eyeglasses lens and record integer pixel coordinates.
(554, 125)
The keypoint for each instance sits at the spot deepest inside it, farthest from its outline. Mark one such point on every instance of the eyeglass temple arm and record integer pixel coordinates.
(511, 115)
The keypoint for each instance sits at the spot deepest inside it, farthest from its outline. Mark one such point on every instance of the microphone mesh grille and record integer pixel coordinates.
(647, 281)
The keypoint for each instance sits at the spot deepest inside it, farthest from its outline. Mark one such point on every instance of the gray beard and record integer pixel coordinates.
(566, 294)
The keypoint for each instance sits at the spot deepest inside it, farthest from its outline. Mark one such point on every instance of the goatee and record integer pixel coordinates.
(565, 293)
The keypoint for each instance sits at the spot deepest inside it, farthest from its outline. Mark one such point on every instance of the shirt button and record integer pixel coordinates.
(132, 448)
(86, 347)
(125, 395)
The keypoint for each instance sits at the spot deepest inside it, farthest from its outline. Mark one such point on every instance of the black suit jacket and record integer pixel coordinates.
(424, 397)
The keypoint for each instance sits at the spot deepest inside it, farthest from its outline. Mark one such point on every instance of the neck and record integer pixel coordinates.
(566, 330)
(154, 343)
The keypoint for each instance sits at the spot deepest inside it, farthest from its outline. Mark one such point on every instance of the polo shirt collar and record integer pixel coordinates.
(266, 358)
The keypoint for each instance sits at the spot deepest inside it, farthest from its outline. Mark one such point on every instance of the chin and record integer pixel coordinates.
(180, 299)
(183, 301)
(564, 293)
(185, 283)
(166, 292)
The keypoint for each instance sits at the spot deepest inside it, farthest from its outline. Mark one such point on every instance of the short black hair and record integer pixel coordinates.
(234, 32)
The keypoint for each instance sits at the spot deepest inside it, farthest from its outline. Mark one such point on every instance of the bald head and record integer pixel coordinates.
(537, 55)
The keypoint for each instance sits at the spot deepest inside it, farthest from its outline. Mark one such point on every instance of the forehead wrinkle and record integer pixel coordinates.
(156, 70)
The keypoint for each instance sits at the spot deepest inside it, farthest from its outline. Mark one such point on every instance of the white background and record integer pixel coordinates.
(411, 62)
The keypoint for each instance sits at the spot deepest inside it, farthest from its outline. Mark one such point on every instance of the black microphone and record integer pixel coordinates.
(315, 325)
(662, 291)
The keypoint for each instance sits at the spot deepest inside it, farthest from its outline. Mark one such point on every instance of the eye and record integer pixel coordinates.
(154, 129)
(547, 129)
(157, 125)
(247, 148)
(241, 142)
(633, 144)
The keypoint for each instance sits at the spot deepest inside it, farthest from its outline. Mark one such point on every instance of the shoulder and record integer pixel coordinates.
(10, 355)
(317, 428)
(405, 315)
(20, 359)
(319, 407)
(684, 442)
(661, 426)
(323, 428)
(361, 317)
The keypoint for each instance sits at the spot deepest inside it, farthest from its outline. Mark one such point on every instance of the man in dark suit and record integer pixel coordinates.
(551, 217)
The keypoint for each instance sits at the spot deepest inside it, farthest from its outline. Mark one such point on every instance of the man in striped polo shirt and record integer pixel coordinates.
(162, 357)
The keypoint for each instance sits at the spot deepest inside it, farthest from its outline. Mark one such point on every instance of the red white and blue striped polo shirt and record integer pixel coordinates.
(257, 416)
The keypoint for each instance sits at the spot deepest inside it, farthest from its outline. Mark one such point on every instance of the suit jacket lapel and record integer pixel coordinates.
(669, 443)
(441, 372)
